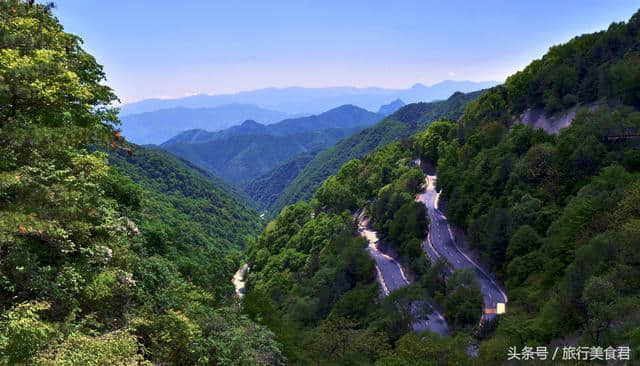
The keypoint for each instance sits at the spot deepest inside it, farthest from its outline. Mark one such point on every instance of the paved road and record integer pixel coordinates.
(440, 242)
(391, 276)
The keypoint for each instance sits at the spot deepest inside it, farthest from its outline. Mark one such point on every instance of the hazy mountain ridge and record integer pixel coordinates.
(299, 100)
(158, 126)
(401, 124)
(346, 116)
(388, 109)
(241, 158)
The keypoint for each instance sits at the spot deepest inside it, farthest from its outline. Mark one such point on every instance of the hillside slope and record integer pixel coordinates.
(346, 116)
(241, 158)
(242, 153)
(266, 188)
(401, 124)
(95, 268)
(388, 109)
(157, 126)
(185, 197)
(552, 214)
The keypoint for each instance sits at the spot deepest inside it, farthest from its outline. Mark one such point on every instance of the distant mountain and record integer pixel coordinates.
(158, 126)
(298, 100)
(346, 116)
(388, 109)
(248, 127)
(401, 124)
(266, 188)
(239, 159)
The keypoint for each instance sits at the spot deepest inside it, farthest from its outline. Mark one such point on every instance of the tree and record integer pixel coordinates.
(600, 299)
(428, 141)
(463, 301)
(115, 348)
(523, 241)
(23, 333)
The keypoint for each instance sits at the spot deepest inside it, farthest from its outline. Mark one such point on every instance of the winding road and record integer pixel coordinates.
(441, 243)
(391, 276)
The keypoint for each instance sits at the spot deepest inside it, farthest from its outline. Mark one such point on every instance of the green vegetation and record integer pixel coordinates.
(99, 265)
(545, 211)
(115, 258)
(185, 216)
(587, 68)
(241, 158)
(402, 124)
(266, 188)
(555, 216)
(552, 214)
(314, 285)
(246, 152)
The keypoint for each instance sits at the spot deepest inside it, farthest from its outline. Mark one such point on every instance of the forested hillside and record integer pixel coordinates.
(239, 159)
(102, 264)
(265, 189)
(343, 117)
(182, 198)
(117, 254)
(312, 282)
(401, 124)
(555, 216)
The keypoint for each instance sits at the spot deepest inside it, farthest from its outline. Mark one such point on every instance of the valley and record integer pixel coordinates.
(456, 223)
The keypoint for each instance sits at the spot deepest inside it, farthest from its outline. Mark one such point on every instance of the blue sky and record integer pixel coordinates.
(176, 48)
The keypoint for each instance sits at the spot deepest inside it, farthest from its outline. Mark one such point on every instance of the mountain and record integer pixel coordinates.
(245, 152)
(401, 124)
(346, 116)
(241, 158)
(388, 109)
(160, 125)
(552, 213)
(110, 254)
(265, 189)
(298, 100)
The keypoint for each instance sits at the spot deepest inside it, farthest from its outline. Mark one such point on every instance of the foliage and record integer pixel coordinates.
(241, 158)
(312, 282)
(546, 210)
(101, 264)
(266, 188)
(401, 124)
(555, 216)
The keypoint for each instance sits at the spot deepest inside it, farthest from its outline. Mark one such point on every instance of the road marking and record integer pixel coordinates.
(382, 282)
(477, 266)
(430, 183)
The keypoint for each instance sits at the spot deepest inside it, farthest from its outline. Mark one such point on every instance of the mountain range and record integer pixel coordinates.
(346, 116)
(242, 153)
(157, 126)
(301, 101)
(401, 124)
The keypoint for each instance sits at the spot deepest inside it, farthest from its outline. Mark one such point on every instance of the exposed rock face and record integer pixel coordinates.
(536, 117)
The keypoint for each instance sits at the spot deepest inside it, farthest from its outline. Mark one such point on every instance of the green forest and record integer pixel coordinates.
(400, 125)
(555, 217)
(106, 258)
(118, 254)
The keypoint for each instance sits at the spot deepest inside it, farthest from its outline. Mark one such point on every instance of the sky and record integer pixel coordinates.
(178, 48)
